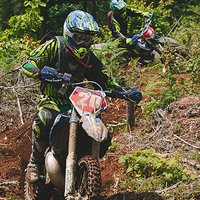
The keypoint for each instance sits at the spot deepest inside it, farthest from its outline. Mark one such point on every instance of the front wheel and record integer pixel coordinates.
(89, 178)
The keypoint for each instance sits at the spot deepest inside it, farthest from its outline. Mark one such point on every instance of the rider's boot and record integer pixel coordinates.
(36, 161)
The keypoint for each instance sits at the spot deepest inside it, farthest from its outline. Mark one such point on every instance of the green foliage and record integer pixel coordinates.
(194, 71)
(146, 164)
(115, 126)
(8, 9)
(188, 32)
(14, 52)
(105, 34)
(17, 42)
(58, 13)
(160, 23)
(28, 22)
(111, 56)
(113, 146)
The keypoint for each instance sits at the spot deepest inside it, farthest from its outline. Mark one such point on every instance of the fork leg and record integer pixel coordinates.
(71, 158)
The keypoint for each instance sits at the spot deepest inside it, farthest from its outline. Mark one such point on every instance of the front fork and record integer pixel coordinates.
(71, 158)
(95, 149)
(71, 161)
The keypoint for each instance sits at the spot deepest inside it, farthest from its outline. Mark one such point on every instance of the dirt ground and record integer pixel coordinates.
(15, 145)
(15, 149)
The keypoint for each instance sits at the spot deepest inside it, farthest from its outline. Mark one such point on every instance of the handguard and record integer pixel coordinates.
(51, 75)
(132, 95)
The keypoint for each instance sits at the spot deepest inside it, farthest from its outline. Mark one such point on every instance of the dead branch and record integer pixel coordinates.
(25, 86)
(19, 106)
(159, 125)
(18, 136)
(169, 188)
(9, 183)
(174, 25)
(14, 70)
(186, 142)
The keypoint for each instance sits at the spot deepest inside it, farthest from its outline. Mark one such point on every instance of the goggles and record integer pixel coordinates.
(82, 39)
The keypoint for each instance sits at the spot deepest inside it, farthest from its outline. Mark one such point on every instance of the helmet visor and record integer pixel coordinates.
(82, 39)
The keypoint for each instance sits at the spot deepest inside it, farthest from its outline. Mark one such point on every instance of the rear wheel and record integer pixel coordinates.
(89, 178)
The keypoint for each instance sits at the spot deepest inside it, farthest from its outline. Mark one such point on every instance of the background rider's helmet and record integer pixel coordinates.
(118, 6)
(79, 31)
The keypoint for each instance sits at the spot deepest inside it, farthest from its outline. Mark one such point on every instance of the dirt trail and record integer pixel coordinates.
(15, 145)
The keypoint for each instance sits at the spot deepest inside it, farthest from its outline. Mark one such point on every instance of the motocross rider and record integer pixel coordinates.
(70, 54)
(118, 22)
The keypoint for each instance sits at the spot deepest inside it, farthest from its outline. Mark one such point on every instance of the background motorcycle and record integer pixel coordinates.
(147, 42)
(147, 45)
(72, 158)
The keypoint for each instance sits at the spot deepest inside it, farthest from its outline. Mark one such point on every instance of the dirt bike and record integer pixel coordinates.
(72, 158)
(146, 45)
(147, 42)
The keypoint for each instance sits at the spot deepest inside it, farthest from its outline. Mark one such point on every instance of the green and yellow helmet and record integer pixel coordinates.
(117, 5)
(79, 31)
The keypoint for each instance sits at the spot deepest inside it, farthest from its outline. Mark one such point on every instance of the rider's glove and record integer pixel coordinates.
(128, 41)
(133, 40)
(146, 14)
(50, 74)
(131, 95)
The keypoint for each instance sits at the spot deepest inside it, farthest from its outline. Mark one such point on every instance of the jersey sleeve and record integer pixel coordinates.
(44, 55)
(116, 28)
(133, 13)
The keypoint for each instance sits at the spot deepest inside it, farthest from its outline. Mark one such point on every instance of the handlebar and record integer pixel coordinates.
(148, 21)
(67, 84)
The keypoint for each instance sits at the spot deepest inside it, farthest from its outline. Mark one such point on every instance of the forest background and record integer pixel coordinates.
(24, 25)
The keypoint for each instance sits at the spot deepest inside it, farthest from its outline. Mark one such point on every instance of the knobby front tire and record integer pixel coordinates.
(89, 178)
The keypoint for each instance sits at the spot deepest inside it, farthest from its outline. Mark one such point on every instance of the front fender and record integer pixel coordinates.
(94, 128)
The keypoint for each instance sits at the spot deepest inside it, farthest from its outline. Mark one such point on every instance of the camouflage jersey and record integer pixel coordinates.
(56, 54)
(119, 25)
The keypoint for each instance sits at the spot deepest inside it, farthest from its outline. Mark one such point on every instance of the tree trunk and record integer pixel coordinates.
(85, 5)
(42, 29)
(94, 10)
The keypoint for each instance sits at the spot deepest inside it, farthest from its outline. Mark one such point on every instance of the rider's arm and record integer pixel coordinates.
(134, 13)
(44, 55)
(116, 29)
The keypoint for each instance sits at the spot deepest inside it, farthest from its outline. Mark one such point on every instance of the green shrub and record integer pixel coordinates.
(146, 163)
